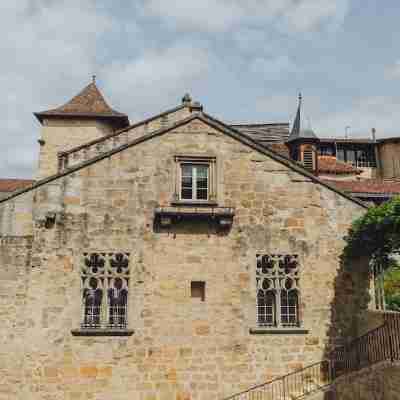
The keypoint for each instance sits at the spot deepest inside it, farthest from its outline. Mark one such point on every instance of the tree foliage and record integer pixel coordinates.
(392, 288)
(376, 234)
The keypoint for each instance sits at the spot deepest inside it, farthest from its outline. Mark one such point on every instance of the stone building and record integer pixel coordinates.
(175, 258)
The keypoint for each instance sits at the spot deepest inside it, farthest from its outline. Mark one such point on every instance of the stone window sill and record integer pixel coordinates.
(278, 331)
(188, 203)
(102, 332)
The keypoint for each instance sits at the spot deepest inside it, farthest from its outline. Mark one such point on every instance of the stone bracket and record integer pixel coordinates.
(169, 216)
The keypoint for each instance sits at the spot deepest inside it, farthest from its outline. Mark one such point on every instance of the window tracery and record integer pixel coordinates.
(277, 279)
(105, 285)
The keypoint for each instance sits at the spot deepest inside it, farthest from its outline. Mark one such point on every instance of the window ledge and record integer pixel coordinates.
(188, 203)
(278, 331)
(102, 332)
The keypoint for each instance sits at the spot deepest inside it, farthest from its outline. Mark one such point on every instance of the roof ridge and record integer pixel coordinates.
(128, 128)
(217, 124)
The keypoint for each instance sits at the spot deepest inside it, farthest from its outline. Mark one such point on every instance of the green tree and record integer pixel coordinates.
(392, 288)
(377, 235)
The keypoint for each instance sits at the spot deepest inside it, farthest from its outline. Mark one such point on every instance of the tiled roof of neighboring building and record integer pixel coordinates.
(330, 165)
(88, 103)
(370, 186)
(280, 148)
(9, 185)
(265, 133)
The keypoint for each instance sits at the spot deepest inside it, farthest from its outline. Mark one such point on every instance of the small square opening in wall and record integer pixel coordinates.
(198, 290)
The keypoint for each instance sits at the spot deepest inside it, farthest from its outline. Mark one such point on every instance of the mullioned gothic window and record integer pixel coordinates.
(277, 278)
(105, 283)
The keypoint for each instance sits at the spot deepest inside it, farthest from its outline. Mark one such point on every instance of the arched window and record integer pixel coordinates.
(278, 291)
(266, 307)
(289, 307)
(105, 283)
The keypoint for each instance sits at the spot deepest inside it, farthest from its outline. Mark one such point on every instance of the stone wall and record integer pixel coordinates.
(183, 348)
(380, 382)
(16, 216)
(389, 159)
(14, 275)
(63, 134)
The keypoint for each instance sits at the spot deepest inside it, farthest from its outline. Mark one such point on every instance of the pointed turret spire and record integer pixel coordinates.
(298, 133)
(297, 121)
(89, 103)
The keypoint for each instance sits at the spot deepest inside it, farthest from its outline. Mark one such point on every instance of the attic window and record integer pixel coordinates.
(198, 290)
(195, 180)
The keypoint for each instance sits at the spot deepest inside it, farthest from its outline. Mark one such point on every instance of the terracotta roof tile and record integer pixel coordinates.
(9, 185)
(331, 165)
(371, 186)
(88, 103)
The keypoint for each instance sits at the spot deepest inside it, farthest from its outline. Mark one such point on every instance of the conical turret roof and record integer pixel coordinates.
(297, 132)
(89, 103)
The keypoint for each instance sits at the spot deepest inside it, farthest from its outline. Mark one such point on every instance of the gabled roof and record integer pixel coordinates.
(207, 119)
(89, 103)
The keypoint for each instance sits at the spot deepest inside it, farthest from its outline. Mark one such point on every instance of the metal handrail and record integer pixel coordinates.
(297, 383)
(379, 344)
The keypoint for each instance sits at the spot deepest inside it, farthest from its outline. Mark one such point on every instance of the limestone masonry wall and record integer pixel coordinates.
(63, 134)
(182, 348)
(14, 276)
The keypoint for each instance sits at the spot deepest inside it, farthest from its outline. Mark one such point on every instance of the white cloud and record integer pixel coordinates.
(380, 112)
(48, 51)
(393, 71)
(224, 15)
(149, 82)
(272, 68)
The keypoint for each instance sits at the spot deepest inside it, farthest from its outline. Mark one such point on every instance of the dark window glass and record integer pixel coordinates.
(194, 182)
(340, 155)
(266, 308)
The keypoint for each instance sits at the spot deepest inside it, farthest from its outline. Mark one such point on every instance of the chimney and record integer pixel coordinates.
(374, 134)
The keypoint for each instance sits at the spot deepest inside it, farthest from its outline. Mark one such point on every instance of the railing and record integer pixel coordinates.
(94, 148)
(291, 386)
(378, 345)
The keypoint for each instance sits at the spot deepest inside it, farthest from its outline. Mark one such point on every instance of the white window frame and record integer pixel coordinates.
(210, 162)
(194, 181)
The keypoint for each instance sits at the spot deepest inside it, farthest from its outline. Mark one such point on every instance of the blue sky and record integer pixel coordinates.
(245, 60)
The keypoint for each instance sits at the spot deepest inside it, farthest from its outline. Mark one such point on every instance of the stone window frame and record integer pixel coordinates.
(280, 276)
(106, 268)
(211, 162)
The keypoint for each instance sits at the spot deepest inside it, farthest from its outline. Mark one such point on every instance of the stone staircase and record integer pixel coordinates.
(317, 381)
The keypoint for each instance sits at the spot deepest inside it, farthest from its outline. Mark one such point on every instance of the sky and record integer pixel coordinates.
(244, 60)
